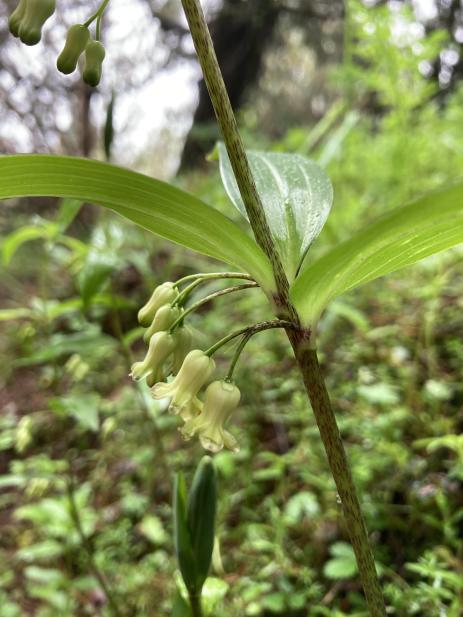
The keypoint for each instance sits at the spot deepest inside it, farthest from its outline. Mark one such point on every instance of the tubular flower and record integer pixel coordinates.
(220, 401)
(160, 348)
(194, 373)
(163, 294)
(164, 318)
(183, 339)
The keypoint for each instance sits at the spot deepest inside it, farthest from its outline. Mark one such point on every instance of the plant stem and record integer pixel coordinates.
(195, 603)
(209, 298)
(214, 275)
(300, 339)
(250, 331)
(337, 459)
(97, 14)
(238, 159)
(88, 547)
(242, 344)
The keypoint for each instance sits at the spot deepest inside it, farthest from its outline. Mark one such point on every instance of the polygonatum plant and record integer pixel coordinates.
(286, 199)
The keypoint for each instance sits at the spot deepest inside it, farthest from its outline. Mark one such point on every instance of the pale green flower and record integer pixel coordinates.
(195, 371)
(164, 318)
(160, 348)
(163, 294)
(220, 401)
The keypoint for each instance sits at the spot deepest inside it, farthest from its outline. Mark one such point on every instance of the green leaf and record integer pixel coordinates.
(14, 313)
(296, 195)
(24, 234)
(89, 344)
(95, 273)
(343, 564)
(162, 209)
(180, 607)
(182, 538)
(201, 509)
(84, 408)
(431, 224)
(151, 527)
(68, 210)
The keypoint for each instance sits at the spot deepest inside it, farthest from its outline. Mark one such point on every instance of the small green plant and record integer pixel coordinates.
(286, 200)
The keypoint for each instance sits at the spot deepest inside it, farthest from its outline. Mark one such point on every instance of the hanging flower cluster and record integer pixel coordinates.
(27, 21)
(170, 355)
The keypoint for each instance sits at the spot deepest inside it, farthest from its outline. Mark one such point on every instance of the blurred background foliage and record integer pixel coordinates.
(373, 92)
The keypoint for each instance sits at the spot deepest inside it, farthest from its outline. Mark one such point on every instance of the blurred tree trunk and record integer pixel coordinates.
(241, 32)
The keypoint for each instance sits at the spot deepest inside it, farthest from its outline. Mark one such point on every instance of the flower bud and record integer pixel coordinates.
(183, 338)
(36, 14)
(220, 400)
(76, 42)
(94, 56)
(163, 294)
(194, 373)
(160, 348)
(164, 318)
(16, 17)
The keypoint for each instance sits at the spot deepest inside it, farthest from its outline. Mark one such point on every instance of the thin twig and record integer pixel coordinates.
(88, 548)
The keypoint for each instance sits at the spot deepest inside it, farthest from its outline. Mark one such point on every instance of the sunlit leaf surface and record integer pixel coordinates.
(402, 237)
(159, 207)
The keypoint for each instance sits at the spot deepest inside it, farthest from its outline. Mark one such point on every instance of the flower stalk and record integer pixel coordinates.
(300, 339)
(210, 298)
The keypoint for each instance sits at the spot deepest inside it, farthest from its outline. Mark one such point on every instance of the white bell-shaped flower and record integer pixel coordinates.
(220, 401)
(163, 294)
(160, 348)
(194, 373)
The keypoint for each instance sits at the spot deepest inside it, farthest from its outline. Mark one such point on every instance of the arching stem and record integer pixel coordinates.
(210, 298)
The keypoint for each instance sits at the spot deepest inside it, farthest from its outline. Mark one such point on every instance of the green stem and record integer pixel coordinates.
(242, 344)
(196, 607)
(337, 459)
(213, 275)
(88, 547)
(250, 331)
(97, 15)
(209, 298)
(183, 295)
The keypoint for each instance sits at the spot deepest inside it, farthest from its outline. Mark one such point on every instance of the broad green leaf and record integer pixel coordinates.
(182, 537)
(431, 224)
(201, 509)
(163, 209)
(296, 195)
